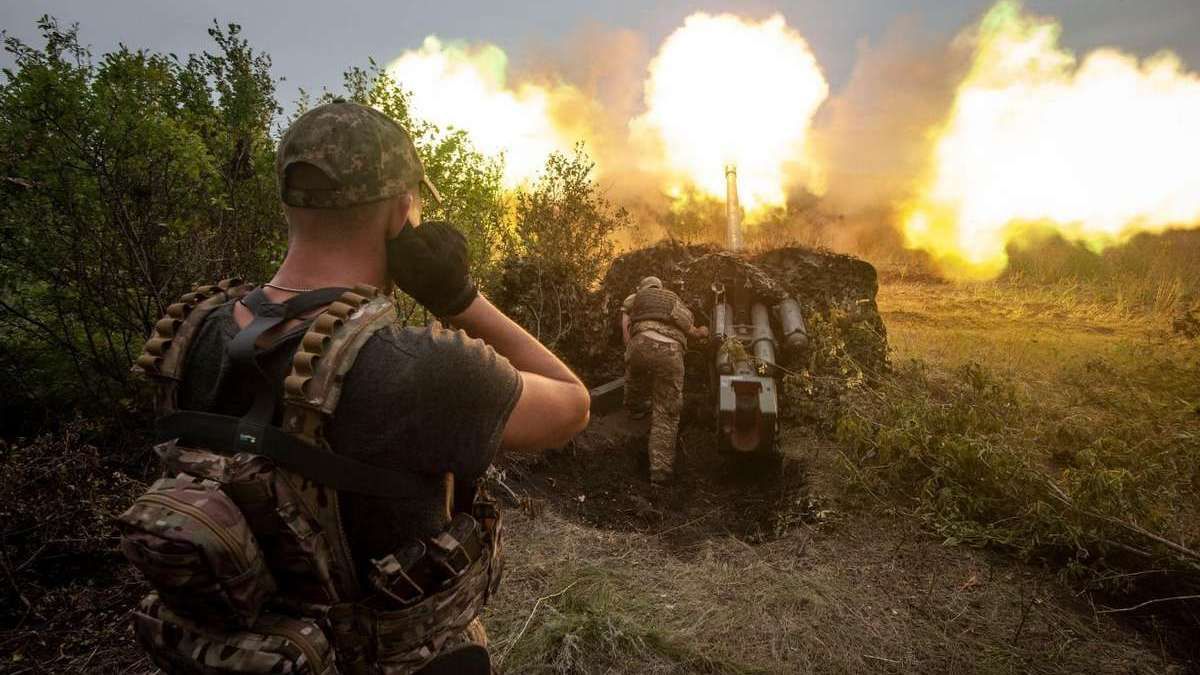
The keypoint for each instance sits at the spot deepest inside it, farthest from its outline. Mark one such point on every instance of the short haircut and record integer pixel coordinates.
(335, 224)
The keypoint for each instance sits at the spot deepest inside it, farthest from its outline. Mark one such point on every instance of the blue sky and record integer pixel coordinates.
(312, 42)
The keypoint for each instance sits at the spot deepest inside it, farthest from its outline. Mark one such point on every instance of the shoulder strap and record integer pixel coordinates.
(327, 352)
(165, 351)
(311, 392)
(243, 350)
(267, 315)
(300, 446)
(227, 434)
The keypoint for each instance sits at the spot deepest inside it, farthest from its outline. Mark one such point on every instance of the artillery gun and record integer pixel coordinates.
(752, 322)
(744, 363)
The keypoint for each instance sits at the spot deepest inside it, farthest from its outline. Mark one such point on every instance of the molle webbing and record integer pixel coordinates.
(311, 393)
(661, 311)
(327, 352)
(653, 304)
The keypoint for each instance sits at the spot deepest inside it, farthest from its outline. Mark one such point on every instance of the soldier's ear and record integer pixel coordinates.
(400, 214)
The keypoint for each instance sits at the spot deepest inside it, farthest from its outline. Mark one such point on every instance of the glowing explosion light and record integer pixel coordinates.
(723, 89)
(1096, 151)
(465, 88)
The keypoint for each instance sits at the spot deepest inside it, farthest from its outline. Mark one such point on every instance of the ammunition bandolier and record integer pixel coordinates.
(243, 541)
(660, 310)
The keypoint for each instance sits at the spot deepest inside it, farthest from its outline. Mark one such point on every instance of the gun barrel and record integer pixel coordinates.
(733, 210)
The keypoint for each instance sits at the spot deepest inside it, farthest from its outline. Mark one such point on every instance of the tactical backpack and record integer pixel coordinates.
(242, 538)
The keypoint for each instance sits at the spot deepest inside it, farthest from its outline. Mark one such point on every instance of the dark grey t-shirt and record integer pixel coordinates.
(424, 402)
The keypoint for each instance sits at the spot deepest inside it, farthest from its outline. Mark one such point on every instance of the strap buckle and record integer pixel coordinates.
(487, 513)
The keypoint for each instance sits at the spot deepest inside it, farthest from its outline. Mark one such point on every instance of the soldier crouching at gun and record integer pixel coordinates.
(656, 326)
(321, 509)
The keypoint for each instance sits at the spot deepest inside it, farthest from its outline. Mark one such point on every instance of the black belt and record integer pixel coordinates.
(227, 434)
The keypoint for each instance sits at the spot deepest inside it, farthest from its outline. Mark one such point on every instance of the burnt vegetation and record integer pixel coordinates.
(1050, 419)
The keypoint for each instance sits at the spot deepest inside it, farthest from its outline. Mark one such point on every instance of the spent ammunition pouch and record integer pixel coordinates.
(242, 539)
(661, 310)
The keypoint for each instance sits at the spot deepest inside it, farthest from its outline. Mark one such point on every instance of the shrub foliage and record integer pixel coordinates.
(129, 178)
(125, 180)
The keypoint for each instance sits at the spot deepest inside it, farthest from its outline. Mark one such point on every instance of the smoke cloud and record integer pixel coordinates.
(852, 175)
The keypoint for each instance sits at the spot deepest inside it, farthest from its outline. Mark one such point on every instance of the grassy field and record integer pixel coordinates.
(1068, 415)
(929, 544)
(922, 532)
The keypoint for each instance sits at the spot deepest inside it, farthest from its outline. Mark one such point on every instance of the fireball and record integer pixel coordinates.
(1097, 150)
(727, 90)
(465, 87)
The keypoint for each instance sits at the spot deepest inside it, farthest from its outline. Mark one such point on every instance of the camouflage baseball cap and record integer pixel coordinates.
(343, 154)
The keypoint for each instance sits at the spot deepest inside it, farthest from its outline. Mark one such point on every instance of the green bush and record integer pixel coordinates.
(560, 242)
(126, 181)
(1101, 484)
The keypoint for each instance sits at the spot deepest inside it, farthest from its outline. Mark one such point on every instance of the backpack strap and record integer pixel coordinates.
(267, 315)
(311, 392)
(164, 353)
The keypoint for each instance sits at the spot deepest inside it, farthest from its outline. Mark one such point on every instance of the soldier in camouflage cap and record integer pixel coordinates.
(343, 154)
(427, 408)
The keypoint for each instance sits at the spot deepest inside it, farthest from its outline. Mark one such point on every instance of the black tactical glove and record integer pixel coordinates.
(431, 263)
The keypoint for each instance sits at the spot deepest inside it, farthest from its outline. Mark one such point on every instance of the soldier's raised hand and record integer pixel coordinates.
(432, 264)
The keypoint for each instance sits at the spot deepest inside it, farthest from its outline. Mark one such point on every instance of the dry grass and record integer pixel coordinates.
(871, 594)
(1064, 431)
(1032, 334)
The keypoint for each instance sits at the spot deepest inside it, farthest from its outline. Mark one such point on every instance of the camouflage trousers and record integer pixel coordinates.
(654, 378)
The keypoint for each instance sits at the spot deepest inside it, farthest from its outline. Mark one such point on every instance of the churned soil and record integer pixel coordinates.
(600, 479)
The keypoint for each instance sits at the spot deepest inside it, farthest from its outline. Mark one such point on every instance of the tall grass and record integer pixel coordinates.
(1095, 471)
(1151, 273)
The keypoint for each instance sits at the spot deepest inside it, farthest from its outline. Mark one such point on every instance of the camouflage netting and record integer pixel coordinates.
(558, 310)
(847, 338)
(835, 289)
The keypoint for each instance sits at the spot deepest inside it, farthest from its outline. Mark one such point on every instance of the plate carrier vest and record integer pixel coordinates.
(664, 308)
(242, 539)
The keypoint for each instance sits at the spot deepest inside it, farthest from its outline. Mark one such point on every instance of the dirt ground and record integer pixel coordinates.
(730, 572)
